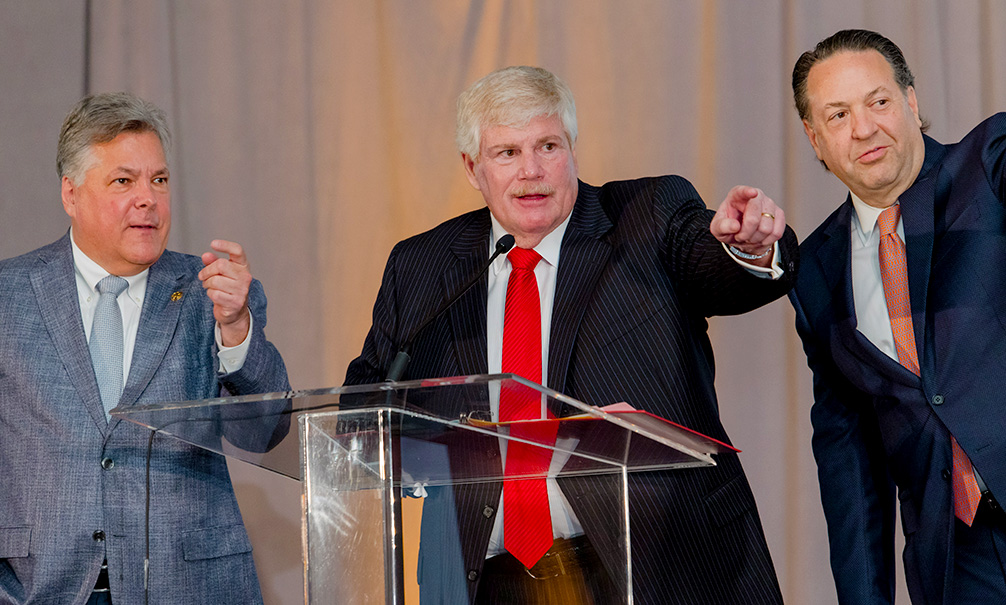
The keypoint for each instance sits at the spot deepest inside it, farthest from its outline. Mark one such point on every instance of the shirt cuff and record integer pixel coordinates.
(773, 272)
(232, 359)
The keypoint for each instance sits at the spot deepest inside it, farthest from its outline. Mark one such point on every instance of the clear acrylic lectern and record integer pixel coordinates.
(367, 455)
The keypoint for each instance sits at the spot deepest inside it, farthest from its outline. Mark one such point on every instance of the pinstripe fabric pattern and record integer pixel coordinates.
(638, 275)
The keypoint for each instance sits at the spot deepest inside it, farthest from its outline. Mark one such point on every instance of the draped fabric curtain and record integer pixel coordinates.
(319, 132)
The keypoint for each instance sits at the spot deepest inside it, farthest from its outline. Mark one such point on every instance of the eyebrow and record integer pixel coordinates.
(876, 90)
(133, 172)
(544, 139)
(868, 95)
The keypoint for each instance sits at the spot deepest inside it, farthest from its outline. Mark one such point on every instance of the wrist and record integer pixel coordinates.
(747, 255)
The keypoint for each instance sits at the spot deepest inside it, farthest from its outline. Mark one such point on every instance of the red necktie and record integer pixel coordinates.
(894, 273)
(527, 522)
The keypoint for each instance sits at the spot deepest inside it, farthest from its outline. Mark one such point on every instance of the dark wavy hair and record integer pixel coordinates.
(855, 40)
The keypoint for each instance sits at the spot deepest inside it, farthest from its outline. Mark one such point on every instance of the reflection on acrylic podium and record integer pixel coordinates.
(378, 460)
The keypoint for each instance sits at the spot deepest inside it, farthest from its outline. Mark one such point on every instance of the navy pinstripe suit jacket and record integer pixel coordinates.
(639, 273)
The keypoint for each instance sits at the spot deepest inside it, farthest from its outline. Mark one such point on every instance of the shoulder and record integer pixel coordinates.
(649, 204)
(823, 252)
(991, 128)
(988, 137)
(650, 189)
(464, 230)
(838, 219)
(24, 262)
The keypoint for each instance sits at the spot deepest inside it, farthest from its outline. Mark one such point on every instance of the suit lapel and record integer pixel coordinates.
(835, 258)
(582, 259)
(918, 218)
(55, 285)
(468, 315)
(158, 321)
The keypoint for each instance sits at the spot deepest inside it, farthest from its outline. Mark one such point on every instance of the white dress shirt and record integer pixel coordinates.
(872, 318)
(88, 273)
(564, 521)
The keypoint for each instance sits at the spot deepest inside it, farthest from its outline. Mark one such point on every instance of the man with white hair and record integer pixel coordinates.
(617, 281)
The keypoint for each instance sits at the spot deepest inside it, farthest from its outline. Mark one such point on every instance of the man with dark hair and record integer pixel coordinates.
(620, 281)
(103, 318)
(900, 305)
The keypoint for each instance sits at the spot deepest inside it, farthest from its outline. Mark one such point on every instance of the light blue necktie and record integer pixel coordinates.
(106, 342)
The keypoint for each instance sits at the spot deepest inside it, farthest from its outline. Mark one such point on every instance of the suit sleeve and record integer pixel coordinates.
(857, 492)
(263, 370)
(714, 284)
(260, 426)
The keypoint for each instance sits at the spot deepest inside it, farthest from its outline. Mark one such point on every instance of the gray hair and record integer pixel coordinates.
(512, 96)
(99, 118)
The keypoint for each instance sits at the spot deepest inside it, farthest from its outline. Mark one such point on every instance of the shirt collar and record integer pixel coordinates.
(548, 247)
(91, 272)
(866, 216)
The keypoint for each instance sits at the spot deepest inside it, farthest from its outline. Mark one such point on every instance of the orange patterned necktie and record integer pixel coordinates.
(894, 273)
(527, 522)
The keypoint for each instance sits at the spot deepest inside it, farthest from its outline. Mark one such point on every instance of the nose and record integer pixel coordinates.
(144, 195)
(530, 166)
(863, 125)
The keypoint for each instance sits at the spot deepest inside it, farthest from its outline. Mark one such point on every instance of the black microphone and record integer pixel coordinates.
(402, 358)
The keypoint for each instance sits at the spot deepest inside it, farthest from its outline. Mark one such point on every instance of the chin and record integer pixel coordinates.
(147, 258)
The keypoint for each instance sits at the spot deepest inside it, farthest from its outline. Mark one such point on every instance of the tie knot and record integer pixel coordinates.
(522, 258)
(112, 284)
(888, 220)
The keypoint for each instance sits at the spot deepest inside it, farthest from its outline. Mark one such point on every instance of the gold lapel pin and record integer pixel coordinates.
(176, 296)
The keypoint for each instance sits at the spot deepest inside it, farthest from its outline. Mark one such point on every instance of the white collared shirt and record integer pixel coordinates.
(564, 521)
(872, 318)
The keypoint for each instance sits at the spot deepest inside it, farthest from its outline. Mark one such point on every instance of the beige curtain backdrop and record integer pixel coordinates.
(320, 132)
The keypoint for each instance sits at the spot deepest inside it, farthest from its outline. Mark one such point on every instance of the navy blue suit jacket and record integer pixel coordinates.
(639, 273)
(877, 426)
(66, 474)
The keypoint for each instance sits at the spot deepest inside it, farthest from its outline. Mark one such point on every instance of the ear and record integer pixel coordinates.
(470, 171)
(914, 104)
(808, 129)
(68, 191)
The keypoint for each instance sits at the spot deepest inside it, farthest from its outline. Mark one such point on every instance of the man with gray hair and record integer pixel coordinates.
(103, 318)
(609, 289)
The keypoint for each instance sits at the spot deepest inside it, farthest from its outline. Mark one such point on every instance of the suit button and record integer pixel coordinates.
(99, 536)
(473, 575)
(937, 399)
(946, 474)
(107, 463)
(488, 512)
